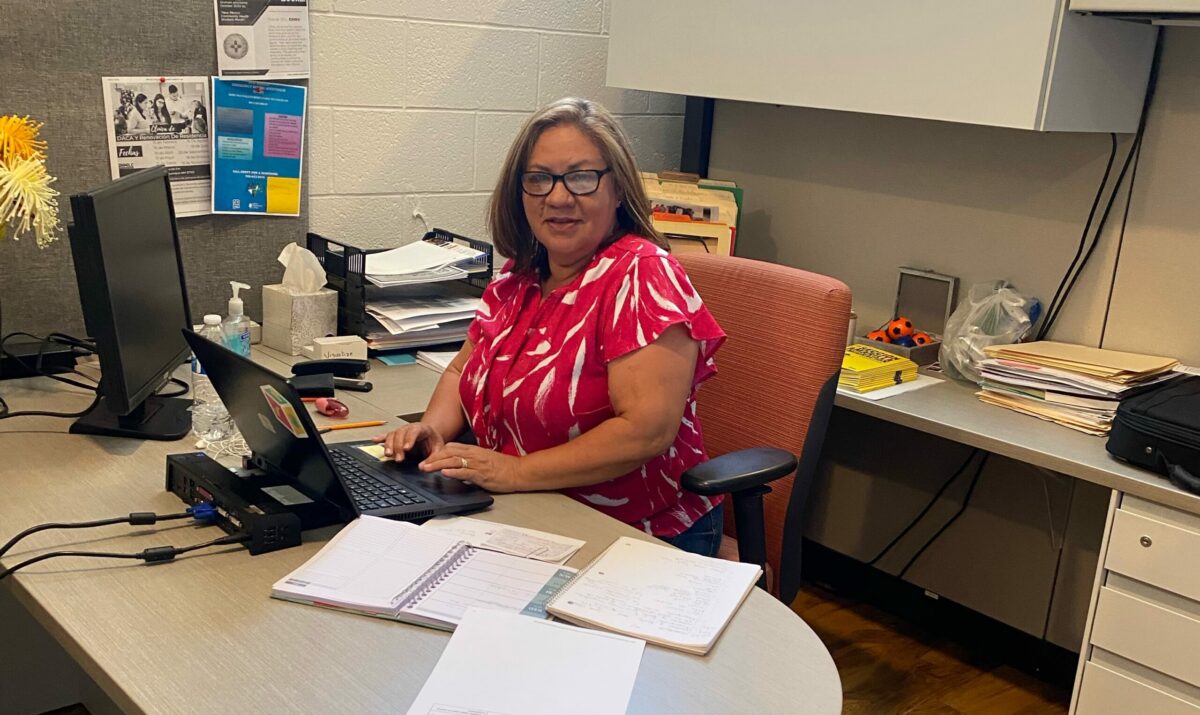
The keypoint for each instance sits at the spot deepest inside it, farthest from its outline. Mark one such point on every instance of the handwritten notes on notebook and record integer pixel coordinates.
(514, 540)
(500, 664)
(664, 595)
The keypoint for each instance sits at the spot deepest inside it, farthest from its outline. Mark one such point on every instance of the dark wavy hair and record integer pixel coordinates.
(507, 223)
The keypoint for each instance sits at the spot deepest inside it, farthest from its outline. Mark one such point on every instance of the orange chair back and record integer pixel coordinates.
(787, 334)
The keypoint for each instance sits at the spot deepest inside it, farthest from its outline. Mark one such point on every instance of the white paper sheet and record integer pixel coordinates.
(515, 540)
(918, 383)
(501, 664)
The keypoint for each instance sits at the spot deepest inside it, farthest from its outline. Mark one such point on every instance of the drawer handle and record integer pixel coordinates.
(1146, 541)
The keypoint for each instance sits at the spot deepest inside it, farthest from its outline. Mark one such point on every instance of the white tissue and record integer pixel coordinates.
(302, 272)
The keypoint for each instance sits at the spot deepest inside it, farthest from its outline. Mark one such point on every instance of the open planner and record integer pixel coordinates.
(657, 593)
(397, 570)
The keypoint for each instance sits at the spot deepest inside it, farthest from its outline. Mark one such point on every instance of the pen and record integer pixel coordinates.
(351, 425)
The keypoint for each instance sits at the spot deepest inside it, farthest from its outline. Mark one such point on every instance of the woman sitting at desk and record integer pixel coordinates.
(580, 369)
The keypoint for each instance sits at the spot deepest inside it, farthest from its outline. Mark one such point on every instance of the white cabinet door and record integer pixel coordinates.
(1015, 63)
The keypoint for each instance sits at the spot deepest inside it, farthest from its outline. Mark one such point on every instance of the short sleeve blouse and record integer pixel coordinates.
(538, 375)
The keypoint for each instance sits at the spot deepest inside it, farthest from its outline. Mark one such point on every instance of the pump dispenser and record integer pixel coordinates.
(237, 326)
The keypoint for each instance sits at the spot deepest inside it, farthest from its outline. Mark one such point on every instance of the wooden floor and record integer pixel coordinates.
(890, 666)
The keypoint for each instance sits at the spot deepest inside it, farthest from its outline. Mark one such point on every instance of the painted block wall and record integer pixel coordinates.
(414, 103)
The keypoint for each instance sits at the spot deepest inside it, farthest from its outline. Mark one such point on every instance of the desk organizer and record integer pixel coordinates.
(344, 269)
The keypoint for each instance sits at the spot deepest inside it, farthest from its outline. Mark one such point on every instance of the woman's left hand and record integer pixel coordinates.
(490, 470)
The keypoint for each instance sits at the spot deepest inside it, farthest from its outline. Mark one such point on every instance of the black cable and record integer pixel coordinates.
(1112, 285)
(40, 413)
(1112, 155)
(963, 507)
(1052, 312)
(917, 519)
(183, 388)
(1052, 315)
(77, 344)
(137, 518)
(153, 554)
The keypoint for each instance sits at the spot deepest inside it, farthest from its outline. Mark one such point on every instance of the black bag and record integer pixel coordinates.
(1160, 430)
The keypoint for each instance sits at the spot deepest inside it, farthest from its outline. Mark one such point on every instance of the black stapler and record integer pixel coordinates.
(342, 373)
(341, 367)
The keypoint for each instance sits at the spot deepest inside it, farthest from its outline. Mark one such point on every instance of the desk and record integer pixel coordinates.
(1149, 550)
(951, 410)
(202, 633)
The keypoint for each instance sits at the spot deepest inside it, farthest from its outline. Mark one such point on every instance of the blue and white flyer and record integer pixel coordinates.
(258, 142)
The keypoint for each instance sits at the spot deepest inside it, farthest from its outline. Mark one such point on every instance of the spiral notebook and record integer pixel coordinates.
(654, 592)
(397, 570)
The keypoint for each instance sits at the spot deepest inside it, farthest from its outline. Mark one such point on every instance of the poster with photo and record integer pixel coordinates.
(258, 145)
(262, 39)
(162, 120)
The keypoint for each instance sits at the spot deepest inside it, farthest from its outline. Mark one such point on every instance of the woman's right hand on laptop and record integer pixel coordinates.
(417, 438)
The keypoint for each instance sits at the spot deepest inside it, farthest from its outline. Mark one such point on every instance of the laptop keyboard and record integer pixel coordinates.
(369, 491)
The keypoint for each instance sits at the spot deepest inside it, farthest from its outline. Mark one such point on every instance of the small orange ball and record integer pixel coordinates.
(899, 328)
(921, 338)
(879, 335)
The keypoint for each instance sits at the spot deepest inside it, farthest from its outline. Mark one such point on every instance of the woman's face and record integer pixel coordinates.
(570, 227)
(160, 102)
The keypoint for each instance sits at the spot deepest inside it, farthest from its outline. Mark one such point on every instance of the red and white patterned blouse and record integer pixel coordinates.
(538, 375)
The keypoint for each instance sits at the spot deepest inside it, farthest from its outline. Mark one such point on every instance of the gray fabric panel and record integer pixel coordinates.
(52, 56)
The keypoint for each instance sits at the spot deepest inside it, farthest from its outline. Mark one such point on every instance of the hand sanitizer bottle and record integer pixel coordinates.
(237, 326)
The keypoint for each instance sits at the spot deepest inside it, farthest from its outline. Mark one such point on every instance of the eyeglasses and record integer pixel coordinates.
(579, 183)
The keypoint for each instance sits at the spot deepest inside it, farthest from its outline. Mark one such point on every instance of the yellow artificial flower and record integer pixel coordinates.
(28, 201)
(18, 139)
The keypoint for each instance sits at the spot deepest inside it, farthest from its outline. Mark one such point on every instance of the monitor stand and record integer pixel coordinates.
(160, 418)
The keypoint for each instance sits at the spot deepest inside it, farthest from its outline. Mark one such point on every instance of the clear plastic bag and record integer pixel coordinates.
(993, 314)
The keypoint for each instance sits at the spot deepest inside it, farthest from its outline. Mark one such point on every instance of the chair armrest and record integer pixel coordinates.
(743, 469)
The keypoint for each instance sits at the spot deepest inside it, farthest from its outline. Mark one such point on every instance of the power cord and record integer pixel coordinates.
(1068, 281)
(203, 512)
(1058, 293)
(154, 554)
(946, 485)
(963, 507)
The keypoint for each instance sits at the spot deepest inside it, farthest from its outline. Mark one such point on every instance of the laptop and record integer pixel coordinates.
(284, 443)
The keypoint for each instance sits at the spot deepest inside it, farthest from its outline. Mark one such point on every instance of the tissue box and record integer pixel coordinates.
(291, 321)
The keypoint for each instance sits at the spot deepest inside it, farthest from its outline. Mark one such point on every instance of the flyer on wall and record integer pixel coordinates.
(258, 142)
(262, 39)
(162, 120)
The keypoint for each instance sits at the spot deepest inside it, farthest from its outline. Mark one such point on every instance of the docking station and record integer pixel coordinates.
(270, 511)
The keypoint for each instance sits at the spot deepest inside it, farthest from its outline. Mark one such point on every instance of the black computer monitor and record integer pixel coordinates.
(131, 285)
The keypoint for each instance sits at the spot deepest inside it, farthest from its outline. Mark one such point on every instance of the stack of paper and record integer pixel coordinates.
(404, 315)
(865, 368)
(1072, 385)
(420, 321)
(436, 360)
(422, 262)
(694, 214)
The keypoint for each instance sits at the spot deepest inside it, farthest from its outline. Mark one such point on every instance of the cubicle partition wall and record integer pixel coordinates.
(52, 56)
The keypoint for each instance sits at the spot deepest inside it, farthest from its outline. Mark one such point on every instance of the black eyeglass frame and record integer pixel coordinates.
(555, 178)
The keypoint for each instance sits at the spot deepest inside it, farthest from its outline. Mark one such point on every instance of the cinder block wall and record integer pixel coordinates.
(413, 105)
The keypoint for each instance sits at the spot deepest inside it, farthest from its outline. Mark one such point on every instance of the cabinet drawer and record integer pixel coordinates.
(1107, 692)
(1156, 637)
(1171, 561)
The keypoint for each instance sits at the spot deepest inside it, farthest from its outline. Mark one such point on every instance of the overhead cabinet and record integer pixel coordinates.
(1028, 64)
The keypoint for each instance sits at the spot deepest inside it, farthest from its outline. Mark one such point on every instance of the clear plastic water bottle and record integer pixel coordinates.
(210, 419)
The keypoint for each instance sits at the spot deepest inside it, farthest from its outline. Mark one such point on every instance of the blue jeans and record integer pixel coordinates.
(703, 537)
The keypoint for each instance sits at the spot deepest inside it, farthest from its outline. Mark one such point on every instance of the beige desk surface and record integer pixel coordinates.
(951, 410)
(201, 634)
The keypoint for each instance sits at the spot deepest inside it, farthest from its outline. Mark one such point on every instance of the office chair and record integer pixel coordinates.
(764, 414)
